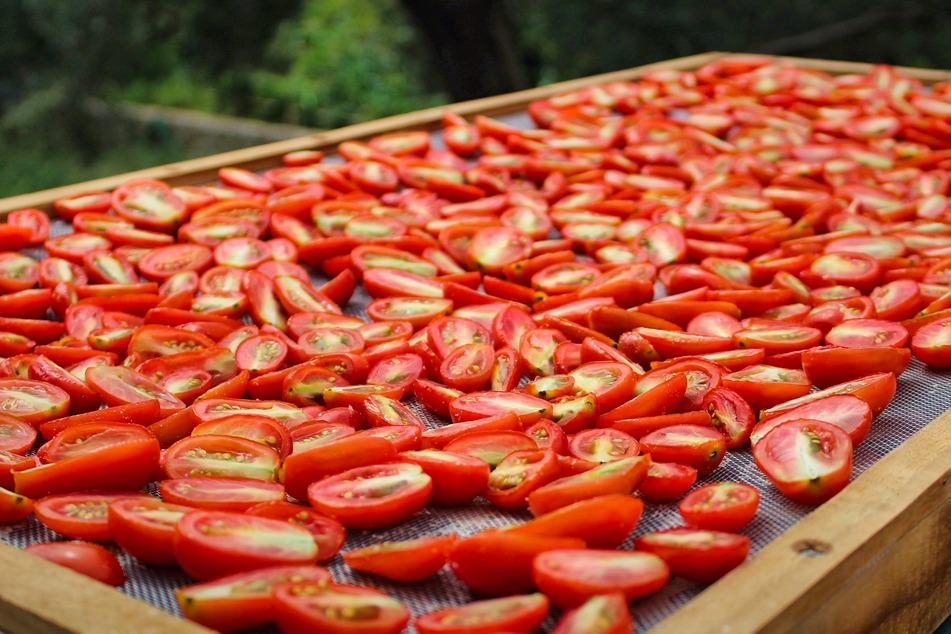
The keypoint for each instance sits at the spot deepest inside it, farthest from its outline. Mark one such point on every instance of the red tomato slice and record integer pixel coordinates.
(520, 613)
(702, 448)
(13, 507)
(408, 561)
(374, 496)
(720, 506)
(809, 461)
(122, 386)
(217, 493)
(601, 614)
(220, 456)
(603, 445)
(616, 477)
(932, 344)
(216, 543)
(81, 515)
(144, 527)
(696, 555)
(243, 600)
(830, 365)
(571, 577)
(85, 558)
(16, 436)
(328, 533)
(336, 609)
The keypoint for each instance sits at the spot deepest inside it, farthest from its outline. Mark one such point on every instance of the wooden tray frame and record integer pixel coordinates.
(877, 557)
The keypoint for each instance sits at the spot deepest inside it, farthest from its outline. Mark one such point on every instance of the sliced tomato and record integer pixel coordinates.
(85, 558)
(616, 477)
(696, 555)
(336, 609)
(571, 577)
(218, 493)
(81, 515)
(601, 614)
(328, 533)
(720, 506)
(144, 527)
(408, 561)
(520, 613)
(699, 447)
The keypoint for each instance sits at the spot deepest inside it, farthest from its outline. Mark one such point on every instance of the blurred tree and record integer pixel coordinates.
(475, 45)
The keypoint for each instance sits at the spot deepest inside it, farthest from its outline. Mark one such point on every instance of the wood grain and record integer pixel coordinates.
(38, 597)
(885, 546)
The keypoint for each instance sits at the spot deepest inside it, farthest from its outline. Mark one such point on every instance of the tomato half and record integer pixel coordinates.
(520, 613)
(571, 577)
(217, 543)
(720, 506)
(337, 609)
(696, 555)
(411, 560)
(144, 527)
(88, 559)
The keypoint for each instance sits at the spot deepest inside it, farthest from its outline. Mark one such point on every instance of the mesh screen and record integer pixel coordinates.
(922, 395)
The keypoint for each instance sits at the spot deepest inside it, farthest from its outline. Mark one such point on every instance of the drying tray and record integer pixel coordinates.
(876, 556)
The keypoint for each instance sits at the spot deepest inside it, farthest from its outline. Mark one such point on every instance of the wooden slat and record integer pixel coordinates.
(38, 597)
(876, 555)
(205, 169)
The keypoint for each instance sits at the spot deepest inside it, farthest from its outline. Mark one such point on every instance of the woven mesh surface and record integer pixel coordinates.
(922, 395)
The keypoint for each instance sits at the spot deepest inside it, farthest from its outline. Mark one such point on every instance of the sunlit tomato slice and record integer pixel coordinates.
(571, 577)
(411, 560)
(518, 474)
(763, 386)
(85, 558)
(601, 614)
(604, 521)
(89, 457)
(337, 609)
(374, 496)
(457, 478)
(122, 386)
(492, 248)
(731, 415)
(932, 344)
(702, 377)
(830, 365)
(220, 456)
(32, 402)
(216, 543)
(226, 494)
(328, 533)
(490, 446)
(875, 389)
(445, 334)
(528, 409)
(161, 263)
(149, 204)
(778, 340)
(849, 269)
(520, 613)
(144, 527)
(702, 448)
(16, 436)
(809, 461)
(419, 311)
(14, 507)
(243, 600)
(603, 445)
(720, 506)
(696, 555)
(867, 333)
(619, 476)
(80, 515)
(468, 367)
(18, 272)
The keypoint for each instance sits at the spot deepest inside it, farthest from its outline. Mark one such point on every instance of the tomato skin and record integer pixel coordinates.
(354, 499)
(408, 561)
(604, 521)
(457, 478)
(303, 468)
(696, 555)
(571, 577)
(601, 614)
(519, 613)
(667, 481)
(243, 600)
(144, 527)
(337, 609)
(720, 506)
(621, 476)
(216, 543)
(499, 563)
(92, 560)
(809, 461)
(827, 366)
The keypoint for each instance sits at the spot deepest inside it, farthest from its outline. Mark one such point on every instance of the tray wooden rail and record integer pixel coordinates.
(877, 557)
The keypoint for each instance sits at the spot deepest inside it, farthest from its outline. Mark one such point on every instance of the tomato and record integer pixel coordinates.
(18, 272)
(861, 333)
(696, 555)
(217, 543)
(702, 377)
(468, 367)
(490, 446)
(16, 436)
(603, 445)
(619, 476)
(32, 402)
(219, 493)
(91, 560)
(571, 577)
(497, 563)
(720, 506)
(763, 386)
(122, 386)
(13, 507)
(149, 204)
(475, 405)
(90, 457)
(518, 474)
(80, 515)
(602, 521)
(336, 609)
(242, 600)
(144, 527)
(830, 365)
(327, 532)
(373, 496)
(731, 414)
(601, 614)
(220, 455)
(931, 344)
(520, 613)
(412, 560)
(875, 389)
(303, 468)
(161, 263)
(667, 481)
(457, 478)
(702, 448)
